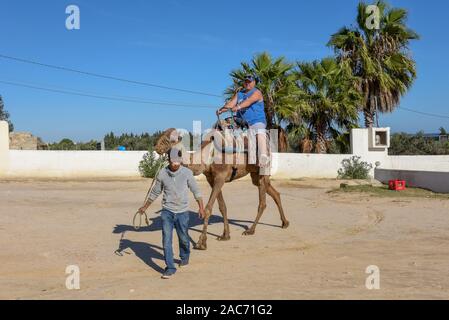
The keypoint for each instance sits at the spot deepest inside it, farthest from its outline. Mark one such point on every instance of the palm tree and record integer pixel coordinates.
(378, 57)
(277, 84)
(329, 99)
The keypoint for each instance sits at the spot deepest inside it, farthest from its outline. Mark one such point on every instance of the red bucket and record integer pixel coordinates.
(397, 185)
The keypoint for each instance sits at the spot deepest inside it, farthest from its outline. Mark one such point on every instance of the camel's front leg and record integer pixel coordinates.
(262, 205)
(202, 242)
(222, 206)
(277, 199)
(224, 212)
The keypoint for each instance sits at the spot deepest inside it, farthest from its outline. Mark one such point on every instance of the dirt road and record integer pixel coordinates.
(332, 239)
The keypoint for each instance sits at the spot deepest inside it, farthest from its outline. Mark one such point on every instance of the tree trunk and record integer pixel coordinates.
(269, 113)
(306, 145)
(369, 118)
(321, 146)
(282, 140)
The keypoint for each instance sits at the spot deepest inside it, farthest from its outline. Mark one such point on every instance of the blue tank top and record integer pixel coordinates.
(254, 113)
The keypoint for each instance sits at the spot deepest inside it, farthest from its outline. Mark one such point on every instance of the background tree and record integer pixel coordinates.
(131, 141)
(64, 144)
(417, 144)
(4, 115)
(299, 136)
(329, 99)
(380, 58)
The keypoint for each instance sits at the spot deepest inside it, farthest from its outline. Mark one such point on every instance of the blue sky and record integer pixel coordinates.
(186, 44)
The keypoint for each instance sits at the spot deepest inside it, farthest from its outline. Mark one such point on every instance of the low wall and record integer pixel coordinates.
(73, 164)
(79, 164)
(299, 165)
(418, 163)
(431, 180)
(425, 171)
(4, 147)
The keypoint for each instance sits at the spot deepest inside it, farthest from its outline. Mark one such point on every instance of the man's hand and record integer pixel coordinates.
(201, 213)
(228, 105)
(144, 207)
(220, 111)
(236, 108)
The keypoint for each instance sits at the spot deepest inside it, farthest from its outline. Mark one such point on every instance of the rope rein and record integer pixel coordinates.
(153, 183)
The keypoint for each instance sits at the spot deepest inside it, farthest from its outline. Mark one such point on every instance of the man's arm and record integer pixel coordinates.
(155, 192)
(229, 105)
(255, 97)
(201, 211)
(193, 186)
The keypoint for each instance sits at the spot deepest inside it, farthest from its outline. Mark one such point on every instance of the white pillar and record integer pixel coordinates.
(360, 146)
(4, 147)
(359, 142)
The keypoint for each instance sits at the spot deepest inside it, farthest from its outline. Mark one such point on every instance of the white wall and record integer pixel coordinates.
(419, 163)
(79, 164)
(74, 164)
(435, 181)
(40, 163)
(4, 147)
(297, 165)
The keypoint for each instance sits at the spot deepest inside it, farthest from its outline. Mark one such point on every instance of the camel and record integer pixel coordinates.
(217, 174)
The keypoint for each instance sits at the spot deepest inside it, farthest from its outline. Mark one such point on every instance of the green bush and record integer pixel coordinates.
(67, 144)
(150, 164)
(131, 141)
(354, 168)
(417, 144)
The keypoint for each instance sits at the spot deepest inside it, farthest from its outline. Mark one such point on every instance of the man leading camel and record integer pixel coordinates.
(174, 181)
(249, 105)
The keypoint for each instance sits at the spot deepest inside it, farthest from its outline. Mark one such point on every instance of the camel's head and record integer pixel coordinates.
(166, 141)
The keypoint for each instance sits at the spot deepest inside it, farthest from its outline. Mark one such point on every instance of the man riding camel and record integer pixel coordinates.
(249, 105)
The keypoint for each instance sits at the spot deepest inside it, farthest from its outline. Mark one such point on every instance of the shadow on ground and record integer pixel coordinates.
(144, 251)
(150, 252)
(194, 221)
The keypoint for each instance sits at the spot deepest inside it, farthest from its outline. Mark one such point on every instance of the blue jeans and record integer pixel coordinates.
(181, 222)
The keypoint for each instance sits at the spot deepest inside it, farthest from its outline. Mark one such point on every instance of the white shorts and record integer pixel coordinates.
(254, 130)
(259, 128)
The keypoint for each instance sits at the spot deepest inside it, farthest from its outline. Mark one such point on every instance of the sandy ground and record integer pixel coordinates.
(332, 238)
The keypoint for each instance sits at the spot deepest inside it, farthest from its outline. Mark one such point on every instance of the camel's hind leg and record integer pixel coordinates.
(216, 189)
(260, 182)
(277, 199)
